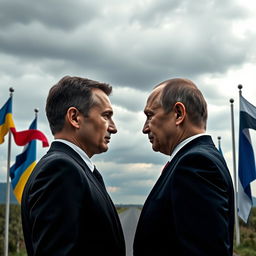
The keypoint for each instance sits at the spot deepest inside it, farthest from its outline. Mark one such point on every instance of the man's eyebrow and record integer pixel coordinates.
(152, 108)
(148, 111)
(110, 112)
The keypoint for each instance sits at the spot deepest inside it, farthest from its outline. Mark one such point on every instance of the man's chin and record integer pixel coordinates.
(101, 150)
(104, 149)
(156, 149)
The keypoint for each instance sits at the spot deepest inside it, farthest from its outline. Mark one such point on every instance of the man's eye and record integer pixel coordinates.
(107, 115)
(149, 115)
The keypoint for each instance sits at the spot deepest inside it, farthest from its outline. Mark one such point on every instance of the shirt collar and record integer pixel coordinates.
(183, 143)
(78, 150)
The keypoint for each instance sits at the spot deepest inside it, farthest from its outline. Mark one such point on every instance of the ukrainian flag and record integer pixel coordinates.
(6, 121)
(24, 165)
(21, 138)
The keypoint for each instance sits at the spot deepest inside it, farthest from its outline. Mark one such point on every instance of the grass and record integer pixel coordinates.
(121, 209)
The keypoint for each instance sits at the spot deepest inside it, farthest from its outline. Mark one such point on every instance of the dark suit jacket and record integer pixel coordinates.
(66, 210)
(190, 210)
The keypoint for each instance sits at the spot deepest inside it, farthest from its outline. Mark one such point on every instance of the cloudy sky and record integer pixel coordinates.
(133, 45)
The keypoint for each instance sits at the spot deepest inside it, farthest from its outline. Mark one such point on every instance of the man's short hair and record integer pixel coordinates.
(184, 91)
(71, 92)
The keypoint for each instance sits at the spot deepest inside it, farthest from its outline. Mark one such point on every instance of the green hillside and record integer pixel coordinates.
(3, 194)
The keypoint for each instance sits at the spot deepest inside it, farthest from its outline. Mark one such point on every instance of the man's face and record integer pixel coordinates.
(160, 126)
(96, 129)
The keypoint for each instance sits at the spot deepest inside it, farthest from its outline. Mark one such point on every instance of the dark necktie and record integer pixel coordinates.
(98, 177)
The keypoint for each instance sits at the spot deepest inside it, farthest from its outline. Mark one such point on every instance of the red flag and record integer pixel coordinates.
(23, 137)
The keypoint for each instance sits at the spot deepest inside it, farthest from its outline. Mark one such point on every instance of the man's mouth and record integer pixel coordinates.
(107, 139)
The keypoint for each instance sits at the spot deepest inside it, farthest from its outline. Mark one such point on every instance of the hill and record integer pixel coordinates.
(3, 194)
(14, 201)
(254, 201)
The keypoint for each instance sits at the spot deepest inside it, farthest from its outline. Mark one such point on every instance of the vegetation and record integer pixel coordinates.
(17, 246)
(16, 241)
(121, 209)
(247, 236)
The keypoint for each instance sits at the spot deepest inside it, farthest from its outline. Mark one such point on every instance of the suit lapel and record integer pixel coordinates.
(168, 169)
(59, 146)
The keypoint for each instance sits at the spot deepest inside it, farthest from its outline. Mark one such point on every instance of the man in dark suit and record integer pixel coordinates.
(190, 210)
(66, 209)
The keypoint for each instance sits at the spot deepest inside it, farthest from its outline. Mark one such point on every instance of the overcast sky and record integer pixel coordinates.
(133, 45)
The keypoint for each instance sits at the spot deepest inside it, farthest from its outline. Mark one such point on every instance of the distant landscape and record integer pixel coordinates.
(14, 201)
(3, 194)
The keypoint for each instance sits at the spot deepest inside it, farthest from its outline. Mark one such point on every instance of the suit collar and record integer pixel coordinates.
(202, 140)
(64, 148)
(183, 143)
(61, 147)
(78, 150)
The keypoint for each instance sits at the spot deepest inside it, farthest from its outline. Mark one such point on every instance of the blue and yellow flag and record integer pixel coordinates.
(24, 165)
(21, 138)
(220, 150)
(6, 121)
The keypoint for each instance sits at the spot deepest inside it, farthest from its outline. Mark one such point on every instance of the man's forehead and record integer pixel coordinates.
(101, 101)
(154, 97)
(100, 96)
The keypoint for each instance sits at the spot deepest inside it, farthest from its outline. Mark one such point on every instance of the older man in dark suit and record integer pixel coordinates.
(66, 209)
(190, 210)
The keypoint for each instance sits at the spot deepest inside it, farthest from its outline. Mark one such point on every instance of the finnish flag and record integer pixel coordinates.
(246, 160)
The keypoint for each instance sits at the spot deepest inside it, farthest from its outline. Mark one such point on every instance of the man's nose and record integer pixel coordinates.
(112, 127)
(145, 128)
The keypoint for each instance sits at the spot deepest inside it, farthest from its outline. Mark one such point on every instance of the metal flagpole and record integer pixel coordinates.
(219, 138)
(36, 112)
(7, 204)
(235, 173)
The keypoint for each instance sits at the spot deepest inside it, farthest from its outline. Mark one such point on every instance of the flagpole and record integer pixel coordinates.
(235, 173)
(7, 204)
(219, 138)
(36, 112)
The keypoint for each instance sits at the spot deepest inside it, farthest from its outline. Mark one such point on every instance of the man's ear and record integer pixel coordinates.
(73, 117)
(180, 112)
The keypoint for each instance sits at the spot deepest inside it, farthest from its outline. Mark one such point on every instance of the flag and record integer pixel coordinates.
(219, 148)
(23, 166)
(21, 138)
(246, 161)
(6, 121)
